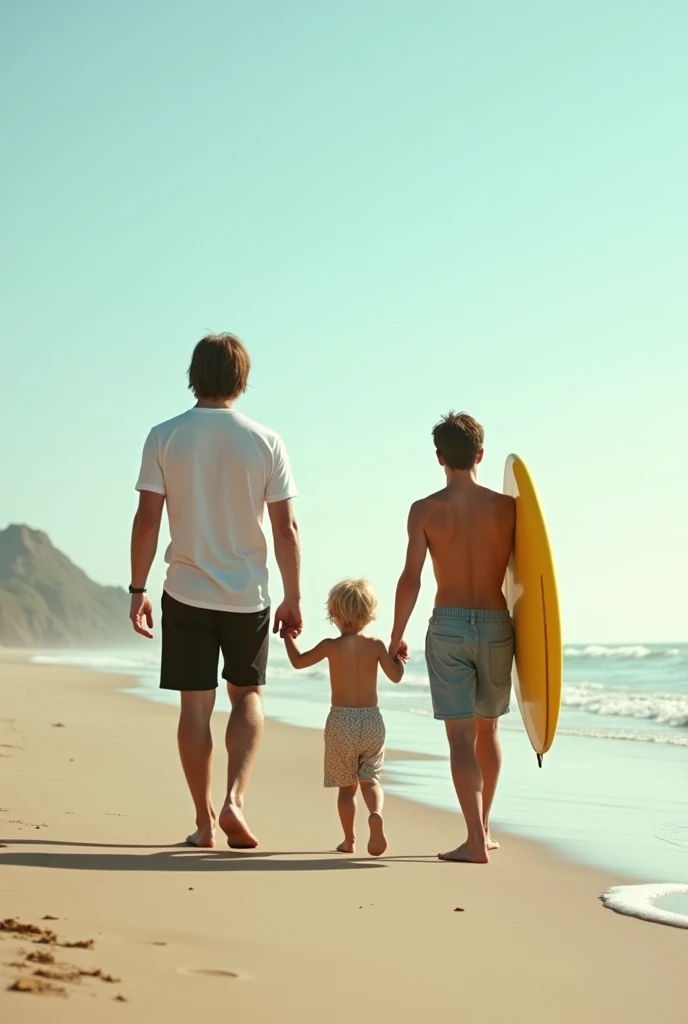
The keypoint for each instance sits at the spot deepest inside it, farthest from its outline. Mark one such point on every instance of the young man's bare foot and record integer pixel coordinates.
(377, 844)
(347, 846)
(239, 835)
(491, 843)
(465, 854)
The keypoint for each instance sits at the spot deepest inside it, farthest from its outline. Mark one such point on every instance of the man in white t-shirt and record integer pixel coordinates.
(216, 470)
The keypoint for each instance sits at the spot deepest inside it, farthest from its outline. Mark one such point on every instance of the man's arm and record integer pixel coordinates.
(285, 534)
(307, 658)
(408, 586)
(144, 544)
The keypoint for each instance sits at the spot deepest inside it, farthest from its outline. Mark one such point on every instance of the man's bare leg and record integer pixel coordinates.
(468, 783)
(244, 732)
(346, 805)
(196, 753)
(374, 798)
(488, 752)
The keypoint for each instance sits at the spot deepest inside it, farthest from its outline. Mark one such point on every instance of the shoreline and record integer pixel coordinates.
(613, 807)
(119, 684)
(94, 806)
(593, 804)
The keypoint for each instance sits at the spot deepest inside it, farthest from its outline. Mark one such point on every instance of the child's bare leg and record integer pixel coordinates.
(346, 805)
(374, 798)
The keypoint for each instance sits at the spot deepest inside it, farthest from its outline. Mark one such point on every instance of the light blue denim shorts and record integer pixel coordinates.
(469, 655)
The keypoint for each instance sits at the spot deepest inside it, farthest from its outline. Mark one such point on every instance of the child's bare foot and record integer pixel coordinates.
(239, 835)
(348, 846)
(491, 843)
(377, 844)
(466, 854)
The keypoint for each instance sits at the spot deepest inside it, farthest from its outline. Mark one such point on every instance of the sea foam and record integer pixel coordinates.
(98, 661)
(639, 901)
(599, 651)
(664, 708)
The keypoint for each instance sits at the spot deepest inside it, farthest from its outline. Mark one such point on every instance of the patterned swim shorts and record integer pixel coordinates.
(354, 746)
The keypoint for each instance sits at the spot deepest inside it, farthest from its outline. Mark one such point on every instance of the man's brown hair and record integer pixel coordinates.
(219, 368)
(458, 439)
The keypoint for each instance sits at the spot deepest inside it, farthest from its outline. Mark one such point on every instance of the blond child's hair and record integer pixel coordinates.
(352, 604)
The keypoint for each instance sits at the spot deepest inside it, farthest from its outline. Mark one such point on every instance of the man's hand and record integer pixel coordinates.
(398, 649)
(141, 614)
(288, 619)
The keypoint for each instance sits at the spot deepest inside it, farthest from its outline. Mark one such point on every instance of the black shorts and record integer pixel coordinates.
(192, 639)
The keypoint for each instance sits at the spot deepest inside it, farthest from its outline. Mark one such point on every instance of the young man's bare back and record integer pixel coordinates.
(468, 531)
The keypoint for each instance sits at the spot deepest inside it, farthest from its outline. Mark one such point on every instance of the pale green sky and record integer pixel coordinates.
(402, 208)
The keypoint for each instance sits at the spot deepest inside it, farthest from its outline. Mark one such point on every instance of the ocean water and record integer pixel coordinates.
(613, 791)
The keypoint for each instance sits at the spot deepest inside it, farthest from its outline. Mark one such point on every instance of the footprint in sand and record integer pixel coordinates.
(208, 972)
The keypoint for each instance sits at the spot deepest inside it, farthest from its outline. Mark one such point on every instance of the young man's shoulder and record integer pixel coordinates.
(498, 497)
(422, 504)
(432, 505)
(424, 507)
(501, 507)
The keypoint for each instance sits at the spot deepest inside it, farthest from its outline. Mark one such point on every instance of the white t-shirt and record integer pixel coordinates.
(217, 470)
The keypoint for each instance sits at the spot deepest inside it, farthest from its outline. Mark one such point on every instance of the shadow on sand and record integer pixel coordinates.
(185, 858)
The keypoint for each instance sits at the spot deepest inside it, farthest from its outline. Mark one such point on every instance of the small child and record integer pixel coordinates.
(354, 732)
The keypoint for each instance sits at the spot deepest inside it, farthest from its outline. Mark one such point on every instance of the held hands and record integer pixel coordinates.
(141, 614)
(288, 619)
(398, 650)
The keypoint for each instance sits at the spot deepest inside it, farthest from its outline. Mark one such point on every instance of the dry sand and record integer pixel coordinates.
(92, 803)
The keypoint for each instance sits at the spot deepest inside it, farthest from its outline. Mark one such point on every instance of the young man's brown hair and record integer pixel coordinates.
(459, 440)
(219, 368)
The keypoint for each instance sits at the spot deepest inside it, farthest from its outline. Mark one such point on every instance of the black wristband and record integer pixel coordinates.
(137, 590)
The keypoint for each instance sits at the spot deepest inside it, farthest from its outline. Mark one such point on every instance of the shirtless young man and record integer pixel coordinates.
(469, 532)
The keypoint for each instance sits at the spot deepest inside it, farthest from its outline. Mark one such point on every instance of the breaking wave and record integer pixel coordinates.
(621, 651)
(663, 708)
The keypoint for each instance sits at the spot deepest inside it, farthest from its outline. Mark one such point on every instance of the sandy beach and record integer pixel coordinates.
(92, 805)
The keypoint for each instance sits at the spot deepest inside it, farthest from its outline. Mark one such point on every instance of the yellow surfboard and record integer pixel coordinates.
(531, 593)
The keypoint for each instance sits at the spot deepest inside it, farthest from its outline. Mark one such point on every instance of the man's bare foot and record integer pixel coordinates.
(466, 855)
(348, 846)
(492, 844)
(202, 838)
(377, 844)
(239, 835)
